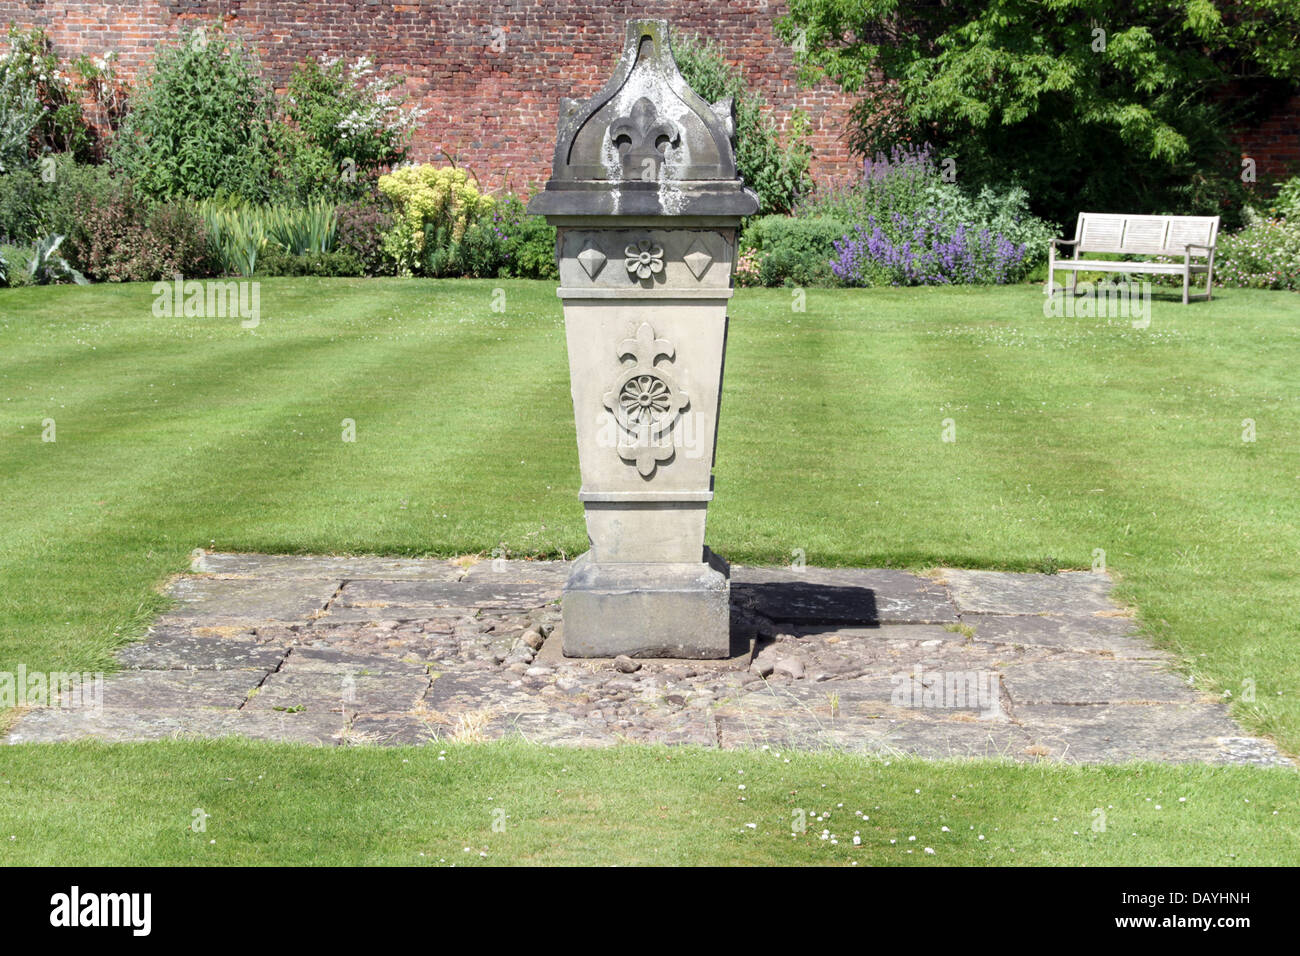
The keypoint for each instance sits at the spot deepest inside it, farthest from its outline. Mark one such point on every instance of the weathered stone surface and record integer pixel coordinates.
(1114, 636)
(179, 689)
(311, 690)
(548, 574)
(1113, 733)
(1094, 681)
(473, 674)
(173, 649)
(336, 662)
(841, 596)
(326, 566)
(1001, 592)
(51, 725)
(214, 599)
(482, 592)
(382, 612)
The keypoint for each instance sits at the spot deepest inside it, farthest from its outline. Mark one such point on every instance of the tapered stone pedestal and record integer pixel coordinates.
(646, 202)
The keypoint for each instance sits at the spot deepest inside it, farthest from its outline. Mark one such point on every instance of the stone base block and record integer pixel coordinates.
(648, 610)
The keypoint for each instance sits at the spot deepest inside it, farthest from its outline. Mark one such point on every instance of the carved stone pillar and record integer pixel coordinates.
(646, 199)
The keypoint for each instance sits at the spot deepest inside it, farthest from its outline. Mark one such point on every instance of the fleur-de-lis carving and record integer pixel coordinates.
(642, 138)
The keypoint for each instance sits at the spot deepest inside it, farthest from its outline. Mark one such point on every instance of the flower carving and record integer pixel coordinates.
(646, 401)
(644, 259)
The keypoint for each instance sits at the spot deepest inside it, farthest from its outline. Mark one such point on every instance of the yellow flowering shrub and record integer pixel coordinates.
(427, 198)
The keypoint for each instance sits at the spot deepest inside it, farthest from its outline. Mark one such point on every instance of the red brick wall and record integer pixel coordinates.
(1275, 144)
(495, 112)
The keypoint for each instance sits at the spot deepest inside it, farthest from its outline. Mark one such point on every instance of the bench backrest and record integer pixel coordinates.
(1144, 235)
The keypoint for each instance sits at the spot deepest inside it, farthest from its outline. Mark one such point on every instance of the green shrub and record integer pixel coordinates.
(31, 77)
(42, 201)
(1264, 255)
(361, 228)
(777, 172)
(277, 262)
(45, 264)
(24, 205)
(201, 124)
(1105, 104)
(342, 126)
(121, 237)
(507, 243)
(793, 251)
(1287, 204)
(20, 114)
(909, 182)
(433, 206)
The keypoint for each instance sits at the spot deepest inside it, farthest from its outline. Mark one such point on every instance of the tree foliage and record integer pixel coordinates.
(1102, 104)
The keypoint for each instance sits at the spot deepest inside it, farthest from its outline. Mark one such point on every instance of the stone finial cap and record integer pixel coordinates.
(646, 144)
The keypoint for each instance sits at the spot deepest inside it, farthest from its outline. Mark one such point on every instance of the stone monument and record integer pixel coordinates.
(646, 200)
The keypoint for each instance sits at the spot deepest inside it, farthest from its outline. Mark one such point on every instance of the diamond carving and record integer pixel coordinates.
(697, 258)
(591, 259)
(645, 401)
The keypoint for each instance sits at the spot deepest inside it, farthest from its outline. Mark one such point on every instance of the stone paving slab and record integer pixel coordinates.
(180, 690)
(181, 649)
(374, 651)
(1193, 732)
(312, 691)
(841, 595)
(1001, 592)
(1088, 633)
(51, 725)
(327, 567)
(214, 599)
(1095, 682)
(480, 593)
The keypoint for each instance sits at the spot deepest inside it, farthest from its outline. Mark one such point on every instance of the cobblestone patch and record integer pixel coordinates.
(332, 650)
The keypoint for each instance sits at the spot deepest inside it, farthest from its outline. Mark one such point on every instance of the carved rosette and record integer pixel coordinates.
(645, 401)
(644, 259)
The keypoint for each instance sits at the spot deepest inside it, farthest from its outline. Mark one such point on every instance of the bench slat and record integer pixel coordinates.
(1104, 265)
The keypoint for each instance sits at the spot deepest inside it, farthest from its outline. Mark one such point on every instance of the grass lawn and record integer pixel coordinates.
(1073, 435)
(517, 804)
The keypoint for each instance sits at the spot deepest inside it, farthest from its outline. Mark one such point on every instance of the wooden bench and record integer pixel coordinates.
(1187, 237)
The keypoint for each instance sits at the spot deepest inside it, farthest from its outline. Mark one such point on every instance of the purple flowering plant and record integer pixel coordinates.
(916, 226)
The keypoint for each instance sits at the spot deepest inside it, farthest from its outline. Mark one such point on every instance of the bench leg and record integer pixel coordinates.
(1187, 277)
(1209, 284)
(1051, 280)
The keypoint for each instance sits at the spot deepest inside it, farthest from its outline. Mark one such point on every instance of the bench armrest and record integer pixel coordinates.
(1199, 245)
(1065, 242)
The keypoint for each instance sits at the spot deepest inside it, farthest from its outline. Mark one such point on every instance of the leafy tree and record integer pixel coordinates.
(201, 124)
(1103, 104)
(776, 171)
